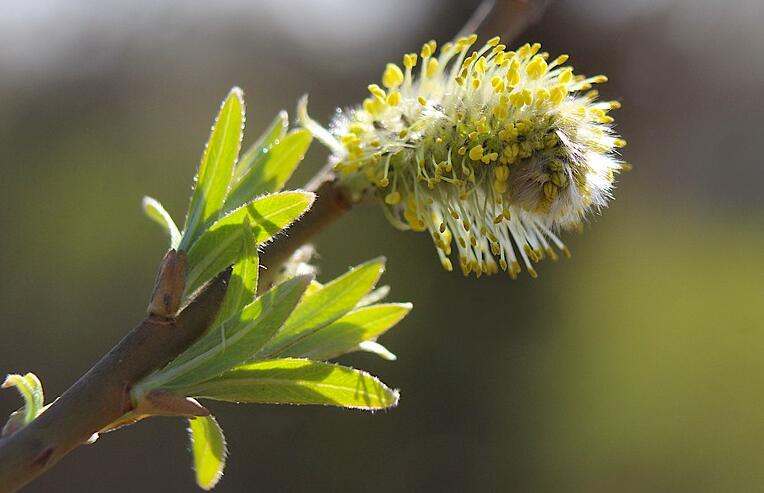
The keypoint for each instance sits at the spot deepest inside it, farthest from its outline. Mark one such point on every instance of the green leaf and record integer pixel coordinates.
(219, 246)
(216, 168)
(209, 450)
(272, 170)
(298, 381)
(237, 340)
(314, 286)
(257, 152)
(325, 305)
(30, 388)
(375, 296)
(243, 284)
(345, 334)
(323, 135)
(376, 348)
(240, 292)
(159, 215)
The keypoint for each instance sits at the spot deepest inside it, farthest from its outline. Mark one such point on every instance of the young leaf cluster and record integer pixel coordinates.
(272, 348)
(30, 388)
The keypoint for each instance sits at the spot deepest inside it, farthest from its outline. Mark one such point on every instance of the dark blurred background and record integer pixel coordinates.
(634, 367)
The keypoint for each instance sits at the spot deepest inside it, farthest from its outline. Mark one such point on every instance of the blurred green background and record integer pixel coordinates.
(634, 367)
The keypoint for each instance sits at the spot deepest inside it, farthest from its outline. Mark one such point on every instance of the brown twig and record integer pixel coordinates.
(332, 202)
(506, 18)
(102, 395)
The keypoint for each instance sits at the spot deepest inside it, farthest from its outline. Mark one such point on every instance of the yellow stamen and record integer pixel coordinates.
(393, 76)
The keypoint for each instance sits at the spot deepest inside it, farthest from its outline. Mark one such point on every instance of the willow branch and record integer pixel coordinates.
(102, 395)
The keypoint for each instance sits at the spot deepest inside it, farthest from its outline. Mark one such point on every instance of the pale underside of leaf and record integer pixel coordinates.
(374, 297)
(30, 388)
(157, 213)
(376, 348)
